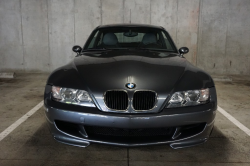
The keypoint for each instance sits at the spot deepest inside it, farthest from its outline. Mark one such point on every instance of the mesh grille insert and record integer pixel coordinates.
(116, 99)
(144, 100)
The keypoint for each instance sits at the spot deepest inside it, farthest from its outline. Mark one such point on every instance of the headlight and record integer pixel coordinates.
(72, 96)
(189, 98)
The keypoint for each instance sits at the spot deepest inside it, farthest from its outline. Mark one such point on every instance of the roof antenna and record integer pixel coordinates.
(130, 17)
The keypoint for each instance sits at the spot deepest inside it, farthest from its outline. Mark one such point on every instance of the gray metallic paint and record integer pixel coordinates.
(204, 113)
(99, 71)
(130, 122)
(162, 75)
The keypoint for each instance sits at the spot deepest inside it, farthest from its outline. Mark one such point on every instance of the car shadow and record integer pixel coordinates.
(214, 150)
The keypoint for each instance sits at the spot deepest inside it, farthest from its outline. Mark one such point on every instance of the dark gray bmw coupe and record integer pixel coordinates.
(130, 86)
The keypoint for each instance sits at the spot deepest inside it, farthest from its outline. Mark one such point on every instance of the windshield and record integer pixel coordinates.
(130, 38)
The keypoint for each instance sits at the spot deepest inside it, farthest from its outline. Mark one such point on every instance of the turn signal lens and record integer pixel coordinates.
(56, 92)
(204, 94)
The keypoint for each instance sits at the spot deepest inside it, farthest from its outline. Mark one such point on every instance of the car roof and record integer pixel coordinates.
(129, 25)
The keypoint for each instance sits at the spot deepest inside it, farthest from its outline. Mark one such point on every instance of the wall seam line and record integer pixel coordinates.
(177, 43)
(199, 30)
(48, 35)
(74, 22)
(225, 55)
(150, 12)
(101, 10)
(123, 5)
(23, 63)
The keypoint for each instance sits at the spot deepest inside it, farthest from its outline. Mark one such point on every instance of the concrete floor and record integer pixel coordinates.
(32, 144)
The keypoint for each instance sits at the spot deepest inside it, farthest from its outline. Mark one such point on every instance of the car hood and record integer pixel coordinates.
(158, 74)
(149, 70)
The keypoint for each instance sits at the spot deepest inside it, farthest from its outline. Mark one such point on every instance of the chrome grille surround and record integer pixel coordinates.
(129, 101)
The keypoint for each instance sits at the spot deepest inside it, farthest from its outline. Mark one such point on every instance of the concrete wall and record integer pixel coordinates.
(224, 36)
(37, 35)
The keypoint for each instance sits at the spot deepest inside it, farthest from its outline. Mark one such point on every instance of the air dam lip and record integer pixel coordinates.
(126, 136)
(186, 144)
(73, 142)
(84, 144)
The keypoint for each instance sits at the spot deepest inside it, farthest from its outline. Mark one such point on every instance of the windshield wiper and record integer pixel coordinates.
(94, 49)
(104, 48)
(116, 48)
(154, 49)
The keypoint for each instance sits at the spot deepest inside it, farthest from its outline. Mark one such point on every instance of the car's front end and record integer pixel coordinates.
(179, 127)
(131, 97)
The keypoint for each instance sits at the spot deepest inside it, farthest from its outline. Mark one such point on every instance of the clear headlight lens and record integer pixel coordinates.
(189, 98)
(72, 96)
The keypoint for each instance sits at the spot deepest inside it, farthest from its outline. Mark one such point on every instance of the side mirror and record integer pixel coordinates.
(183, 50)
(77, 49)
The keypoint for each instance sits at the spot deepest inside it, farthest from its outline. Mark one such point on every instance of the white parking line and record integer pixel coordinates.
(234, 121)
(20, 121)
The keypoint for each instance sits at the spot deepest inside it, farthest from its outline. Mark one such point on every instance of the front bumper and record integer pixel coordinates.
(172, 118)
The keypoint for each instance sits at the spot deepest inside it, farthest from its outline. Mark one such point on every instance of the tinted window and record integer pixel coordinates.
(130, 38)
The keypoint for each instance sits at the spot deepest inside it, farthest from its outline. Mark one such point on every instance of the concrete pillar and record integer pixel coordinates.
(213, 26)
(35, 35)
(237, 58)
(11, 44)
(61, 32)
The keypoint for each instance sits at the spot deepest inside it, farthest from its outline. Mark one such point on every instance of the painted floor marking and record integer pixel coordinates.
(20, 121)
(234, 121)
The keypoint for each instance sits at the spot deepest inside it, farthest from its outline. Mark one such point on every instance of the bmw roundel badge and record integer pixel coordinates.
(130, 85)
